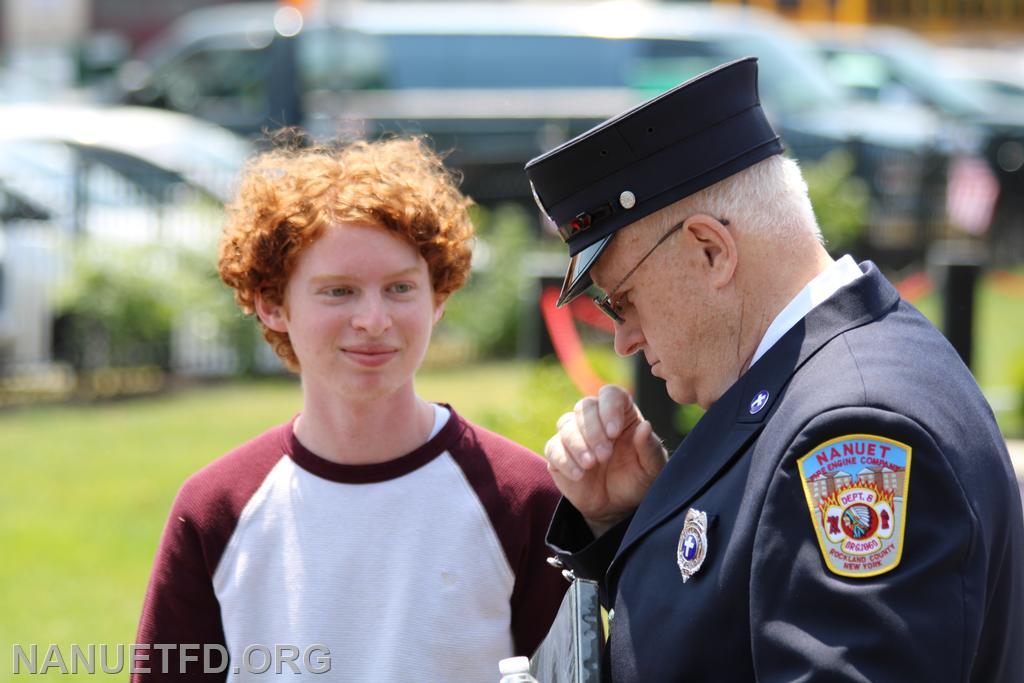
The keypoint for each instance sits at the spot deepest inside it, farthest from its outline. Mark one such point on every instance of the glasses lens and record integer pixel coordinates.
(605, 304)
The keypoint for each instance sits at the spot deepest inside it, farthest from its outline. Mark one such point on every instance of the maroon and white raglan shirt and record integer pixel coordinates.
(427, 567)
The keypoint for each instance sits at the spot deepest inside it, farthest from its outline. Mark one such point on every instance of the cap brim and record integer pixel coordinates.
(577, 276)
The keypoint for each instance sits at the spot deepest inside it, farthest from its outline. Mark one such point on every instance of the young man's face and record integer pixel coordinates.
(359, 309)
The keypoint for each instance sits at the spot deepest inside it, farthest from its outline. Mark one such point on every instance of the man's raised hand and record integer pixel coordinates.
(604, 457)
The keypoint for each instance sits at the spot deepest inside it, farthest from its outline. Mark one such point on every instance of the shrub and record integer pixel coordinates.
(486, 312)
(840, 199)
(116, 310)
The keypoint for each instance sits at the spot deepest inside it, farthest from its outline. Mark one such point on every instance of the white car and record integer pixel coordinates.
(102, 177)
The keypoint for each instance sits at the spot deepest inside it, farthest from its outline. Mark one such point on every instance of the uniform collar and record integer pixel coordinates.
(839, 274)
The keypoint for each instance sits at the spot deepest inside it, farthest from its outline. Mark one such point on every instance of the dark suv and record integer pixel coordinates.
(893, 64)
(497, 84)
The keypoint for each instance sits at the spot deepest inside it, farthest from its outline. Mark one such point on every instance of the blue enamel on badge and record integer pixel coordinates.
(856, 489)
(693, 543)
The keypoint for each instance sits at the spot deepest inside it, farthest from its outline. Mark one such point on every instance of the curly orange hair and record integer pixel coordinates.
(289, 196)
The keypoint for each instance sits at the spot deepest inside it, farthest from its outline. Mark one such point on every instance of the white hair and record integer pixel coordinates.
(768, 198)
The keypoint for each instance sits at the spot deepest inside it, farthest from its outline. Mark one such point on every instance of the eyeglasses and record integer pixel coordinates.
(607, 303)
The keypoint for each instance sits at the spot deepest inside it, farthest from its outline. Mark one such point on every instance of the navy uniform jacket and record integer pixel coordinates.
(765, 604)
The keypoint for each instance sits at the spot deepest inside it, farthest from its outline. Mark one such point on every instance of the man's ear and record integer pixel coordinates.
(439, 302)
(718, 249)
(274, 316)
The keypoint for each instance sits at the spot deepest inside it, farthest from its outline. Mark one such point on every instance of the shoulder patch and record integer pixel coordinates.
(856, 489)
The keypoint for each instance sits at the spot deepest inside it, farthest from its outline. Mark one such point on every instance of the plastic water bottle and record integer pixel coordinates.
(515, 670)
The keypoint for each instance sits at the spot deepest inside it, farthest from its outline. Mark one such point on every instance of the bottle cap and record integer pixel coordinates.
(514, 665)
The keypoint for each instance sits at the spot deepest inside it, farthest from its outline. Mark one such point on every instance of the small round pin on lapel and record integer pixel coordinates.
(627, 199)
(760, 401)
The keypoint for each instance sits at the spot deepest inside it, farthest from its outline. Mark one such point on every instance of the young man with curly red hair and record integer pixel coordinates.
(387, 530)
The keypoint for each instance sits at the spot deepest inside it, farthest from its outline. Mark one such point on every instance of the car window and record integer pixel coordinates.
(334, 59)
(860, 71)
(791, 75)
(662, 64)
(210, 72)
(915, 65)
(59, 176)
(224, 79)
(54, 175)
(15, 206)
(504, 61)
(791, 79)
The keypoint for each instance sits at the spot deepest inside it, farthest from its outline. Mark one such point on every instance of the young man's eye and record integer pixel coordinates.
(337, 291)
(402, 287)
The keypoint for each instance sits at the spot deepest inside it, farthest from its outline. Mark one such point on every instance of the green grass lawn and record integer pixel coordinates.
(87, 487)
(998, 346)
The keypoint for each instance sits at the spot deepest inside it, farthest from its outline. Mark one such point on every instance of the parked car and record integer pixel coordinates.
(499, 83)
(886, 64)
(100, 177)
(993, 74)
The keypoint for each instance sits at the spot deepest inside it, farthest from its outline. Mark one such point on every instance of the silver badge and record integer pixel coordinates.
(627, 199)
(693, 543)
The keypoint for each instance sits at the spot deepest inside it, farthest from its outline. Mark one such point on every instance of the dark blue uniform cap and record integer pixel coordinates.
(642, 160)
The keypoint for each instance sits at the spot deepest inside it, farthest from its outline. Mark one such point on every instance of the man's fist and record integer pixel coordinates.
(604, 457)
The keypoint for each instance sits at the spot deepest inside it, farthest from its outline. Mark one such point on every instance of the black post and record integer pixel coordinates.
(654, 402)
(541, 270)
(957, 266)
(284, 96)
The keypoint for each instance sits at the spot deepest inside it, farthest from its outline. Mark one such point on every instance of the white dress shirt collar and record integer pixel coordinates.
(825, 284)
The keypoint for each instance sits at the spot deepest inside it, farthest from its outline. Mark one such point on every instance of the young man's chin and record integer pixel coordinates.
(371, 385)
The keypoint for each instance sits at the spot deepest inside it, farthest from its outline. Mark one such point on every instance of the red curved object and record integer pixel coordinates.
(565, 339)
(915, 286)
(584, 310)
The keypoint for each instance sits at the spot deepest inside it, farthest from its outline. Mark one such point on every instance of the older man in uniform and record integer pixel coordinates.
(846, 509)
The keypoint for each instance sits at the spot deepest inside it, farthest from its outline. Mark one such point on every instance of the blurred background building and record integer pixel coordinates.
(926, 15)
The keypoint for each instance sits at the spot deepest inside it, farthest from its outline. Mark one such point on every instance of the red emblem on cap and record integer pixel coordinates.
(581, 222)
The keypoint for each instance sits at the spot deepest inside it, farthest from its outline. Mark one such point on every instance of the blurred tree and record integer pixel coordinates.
(486, 312)
(840, 200)
(115, 311)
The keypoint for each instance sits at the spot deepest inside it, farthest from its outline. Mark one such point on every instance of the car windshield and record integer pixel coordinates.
(791, 77)
(504, 61)
(916, 63)
(791, 74)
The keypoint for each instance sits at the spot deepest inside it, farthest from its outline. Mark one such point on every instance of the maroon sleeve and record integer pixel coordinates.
(180, 605)
(516, 490)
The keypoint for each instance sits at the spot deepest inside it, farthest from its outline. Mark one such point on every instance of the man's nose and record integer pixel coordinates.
(372, 315)
(628, 338)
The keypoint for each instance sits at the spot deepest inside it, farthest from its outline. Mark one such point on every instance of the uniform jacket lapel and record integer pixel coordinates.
(725, 431)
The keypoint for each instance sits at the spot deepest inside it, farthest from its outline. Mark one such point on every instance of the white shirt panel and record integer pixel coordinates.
(839, 274)
(386, 575)
(441, 415)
